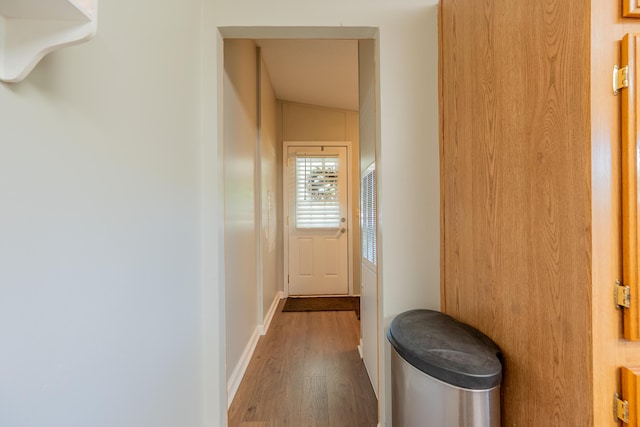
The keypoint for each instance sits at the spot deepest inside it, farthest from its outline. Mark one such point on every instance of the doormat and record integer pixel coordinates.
(323, 304)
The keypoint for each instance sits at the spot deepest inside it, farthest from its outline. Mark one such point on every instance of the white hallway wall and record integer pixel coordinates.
(271, 234)
(100, 295)
(250, 179)
(240, 137)
(407, 151)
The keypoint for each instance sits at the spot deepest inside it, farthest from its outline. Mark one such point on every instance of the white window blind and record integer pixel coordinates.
(317, 203)
(368, 215)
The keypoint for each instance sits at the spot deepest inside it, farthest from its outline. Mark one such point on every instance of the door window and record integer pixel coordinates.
(317, 202)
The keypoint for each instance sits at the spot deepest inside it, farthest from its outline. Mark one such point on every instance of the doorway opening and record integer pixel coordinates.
(259, 120)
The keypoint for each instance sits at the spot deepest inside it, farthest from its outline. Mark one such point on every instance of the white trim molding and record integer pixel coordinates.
(241, 368)
(264, 327)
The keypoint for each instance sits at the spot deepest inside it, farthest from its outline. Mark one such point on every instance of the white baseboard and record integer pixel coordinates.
(238, 372)
(262, 329)
(360, 349)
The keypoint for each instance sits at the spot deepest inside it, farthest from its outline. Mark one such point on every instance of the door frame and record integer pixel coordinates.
(285, 205)
(213, 273)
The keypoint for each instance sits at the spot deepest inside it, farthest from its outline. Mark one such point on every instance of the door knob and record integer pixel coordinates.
(341, 231)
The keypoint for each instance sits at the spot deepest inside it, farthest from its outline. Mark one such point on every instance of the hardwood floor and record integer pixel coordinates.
(306, 372)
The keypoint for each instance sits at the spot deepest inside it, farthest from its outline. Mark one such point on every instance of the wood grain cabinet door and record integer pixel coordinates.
(630, 9)
(630, 379)
(630, 158)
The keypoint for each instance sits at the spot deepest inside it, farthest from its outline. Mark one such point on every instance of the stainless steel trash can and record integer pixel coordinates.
(444, 373)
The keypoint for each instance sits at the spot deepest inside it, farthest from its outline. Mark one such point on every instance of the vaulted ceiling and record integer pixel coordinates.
(317, 72)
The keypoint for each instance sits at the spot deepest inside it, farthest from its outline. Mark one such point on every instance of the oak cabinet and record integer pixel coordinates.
(630, 9)
(629, 168)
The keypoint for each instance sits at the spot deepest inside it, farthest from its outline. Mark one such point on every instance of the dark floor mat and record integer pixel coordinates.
(323, 304)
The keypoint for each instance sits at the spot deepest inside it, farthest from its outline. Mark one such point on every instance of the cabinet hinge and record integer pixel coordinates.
(622, 295)
(620, 78)
(620, 409)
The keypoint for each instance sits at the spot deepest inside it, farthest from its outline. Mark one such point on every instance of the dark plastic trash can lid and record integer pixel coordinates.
(446, 349)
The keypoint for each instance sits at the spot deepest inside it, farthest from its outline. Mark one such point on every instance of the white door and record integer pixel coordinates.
(317, 221)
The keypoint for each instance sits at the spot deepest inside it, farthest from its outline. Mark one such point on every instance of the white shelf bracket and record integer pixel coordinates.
(30, 29)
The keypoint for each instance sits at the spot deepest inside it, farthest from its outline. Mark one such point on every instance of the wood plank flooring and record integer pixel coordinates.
(306, 372)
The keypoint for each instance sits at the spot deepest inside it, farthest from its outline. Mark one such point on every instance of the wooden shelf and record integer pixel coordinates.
(30, 29)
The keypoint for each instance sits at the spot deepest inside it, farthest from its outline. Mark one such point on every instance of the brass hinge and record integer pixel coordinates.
(288, 278)
(620, 78)
(622, 295)
(620, 409)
